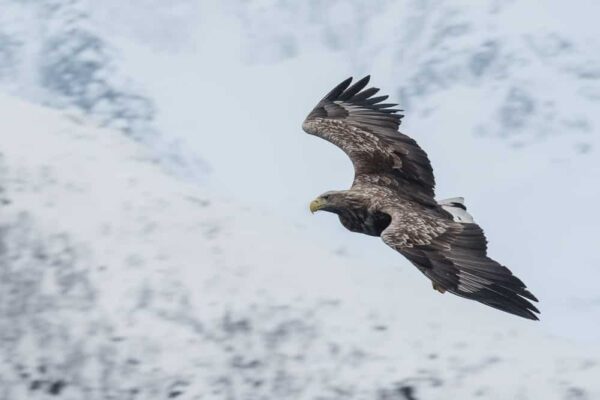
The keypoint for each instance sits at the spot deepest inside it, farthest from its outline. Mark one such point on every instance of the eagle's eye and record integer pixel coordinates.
(325, 197)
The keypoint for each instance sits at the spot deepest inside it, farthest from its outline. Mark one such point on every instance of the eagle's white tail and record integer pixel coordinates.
(456, 207)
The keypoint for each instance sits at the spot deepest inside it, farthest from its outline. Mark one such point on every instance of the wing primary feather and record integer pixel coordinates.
(365, 94)
(338, 90)
(385, 105)
(375, 100)
(354, 89)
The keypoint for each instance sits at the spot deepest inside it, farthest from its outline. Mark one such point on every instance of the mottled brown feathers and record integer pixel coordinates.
(392, 196)
(367, 130)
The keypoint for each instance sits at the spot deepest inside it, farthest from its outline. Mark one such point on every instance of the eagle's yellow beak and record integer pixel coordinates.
(317, 204)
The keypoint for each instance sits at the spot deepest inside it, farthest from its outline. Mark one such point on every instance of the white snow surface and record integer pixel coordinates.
(121, 281)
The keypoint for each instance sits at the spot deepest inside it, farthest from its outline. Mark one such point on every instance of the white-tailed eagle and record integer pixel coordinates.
(392, 196)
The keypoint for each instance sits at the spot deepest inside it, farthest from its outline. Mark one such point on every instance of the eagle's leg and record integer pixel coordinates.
(438, 287)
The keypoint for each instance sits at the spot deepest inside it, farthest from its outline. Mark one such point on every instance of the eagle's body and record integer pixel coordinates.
(392, 196)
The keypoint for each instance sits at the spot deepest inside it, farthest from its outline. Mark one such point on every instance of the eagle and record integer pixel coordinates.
(392, 196)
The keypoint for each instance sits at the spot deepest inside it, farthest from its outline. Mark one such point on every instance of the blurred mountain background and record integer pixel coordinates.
(154, 180)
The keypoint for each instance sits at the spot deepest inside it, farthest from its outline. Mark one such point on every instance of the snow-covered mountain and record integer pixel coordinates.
(52, 53)
(122, 281)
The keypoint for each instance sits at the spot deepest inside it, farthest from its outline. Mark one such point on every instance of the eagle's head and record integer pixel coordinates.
(335, 202)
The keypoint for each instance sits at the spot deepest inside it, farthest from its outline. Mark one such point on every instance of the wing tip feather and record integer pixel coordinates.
(360, 95)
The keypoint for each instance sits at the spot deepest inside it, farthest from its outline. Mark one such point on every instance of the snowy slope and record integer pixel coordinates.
(120, 281)
(50, 53)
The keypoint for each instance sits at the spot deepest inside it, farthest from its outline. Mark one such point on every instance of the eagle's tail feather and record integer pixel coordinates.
(456, 207)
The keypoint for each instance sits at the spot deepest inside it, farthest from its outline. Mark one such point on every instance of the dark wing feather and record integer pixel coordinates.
(367, 131)
(456, 261)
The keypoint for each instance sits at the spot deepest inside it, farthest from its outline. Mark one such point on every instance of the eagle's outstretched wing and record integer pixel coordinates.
(366, 129)
(454, 256)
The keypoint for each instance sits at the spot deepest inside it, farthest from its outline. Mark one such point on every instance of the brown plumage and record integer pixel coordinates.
(393, 197)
